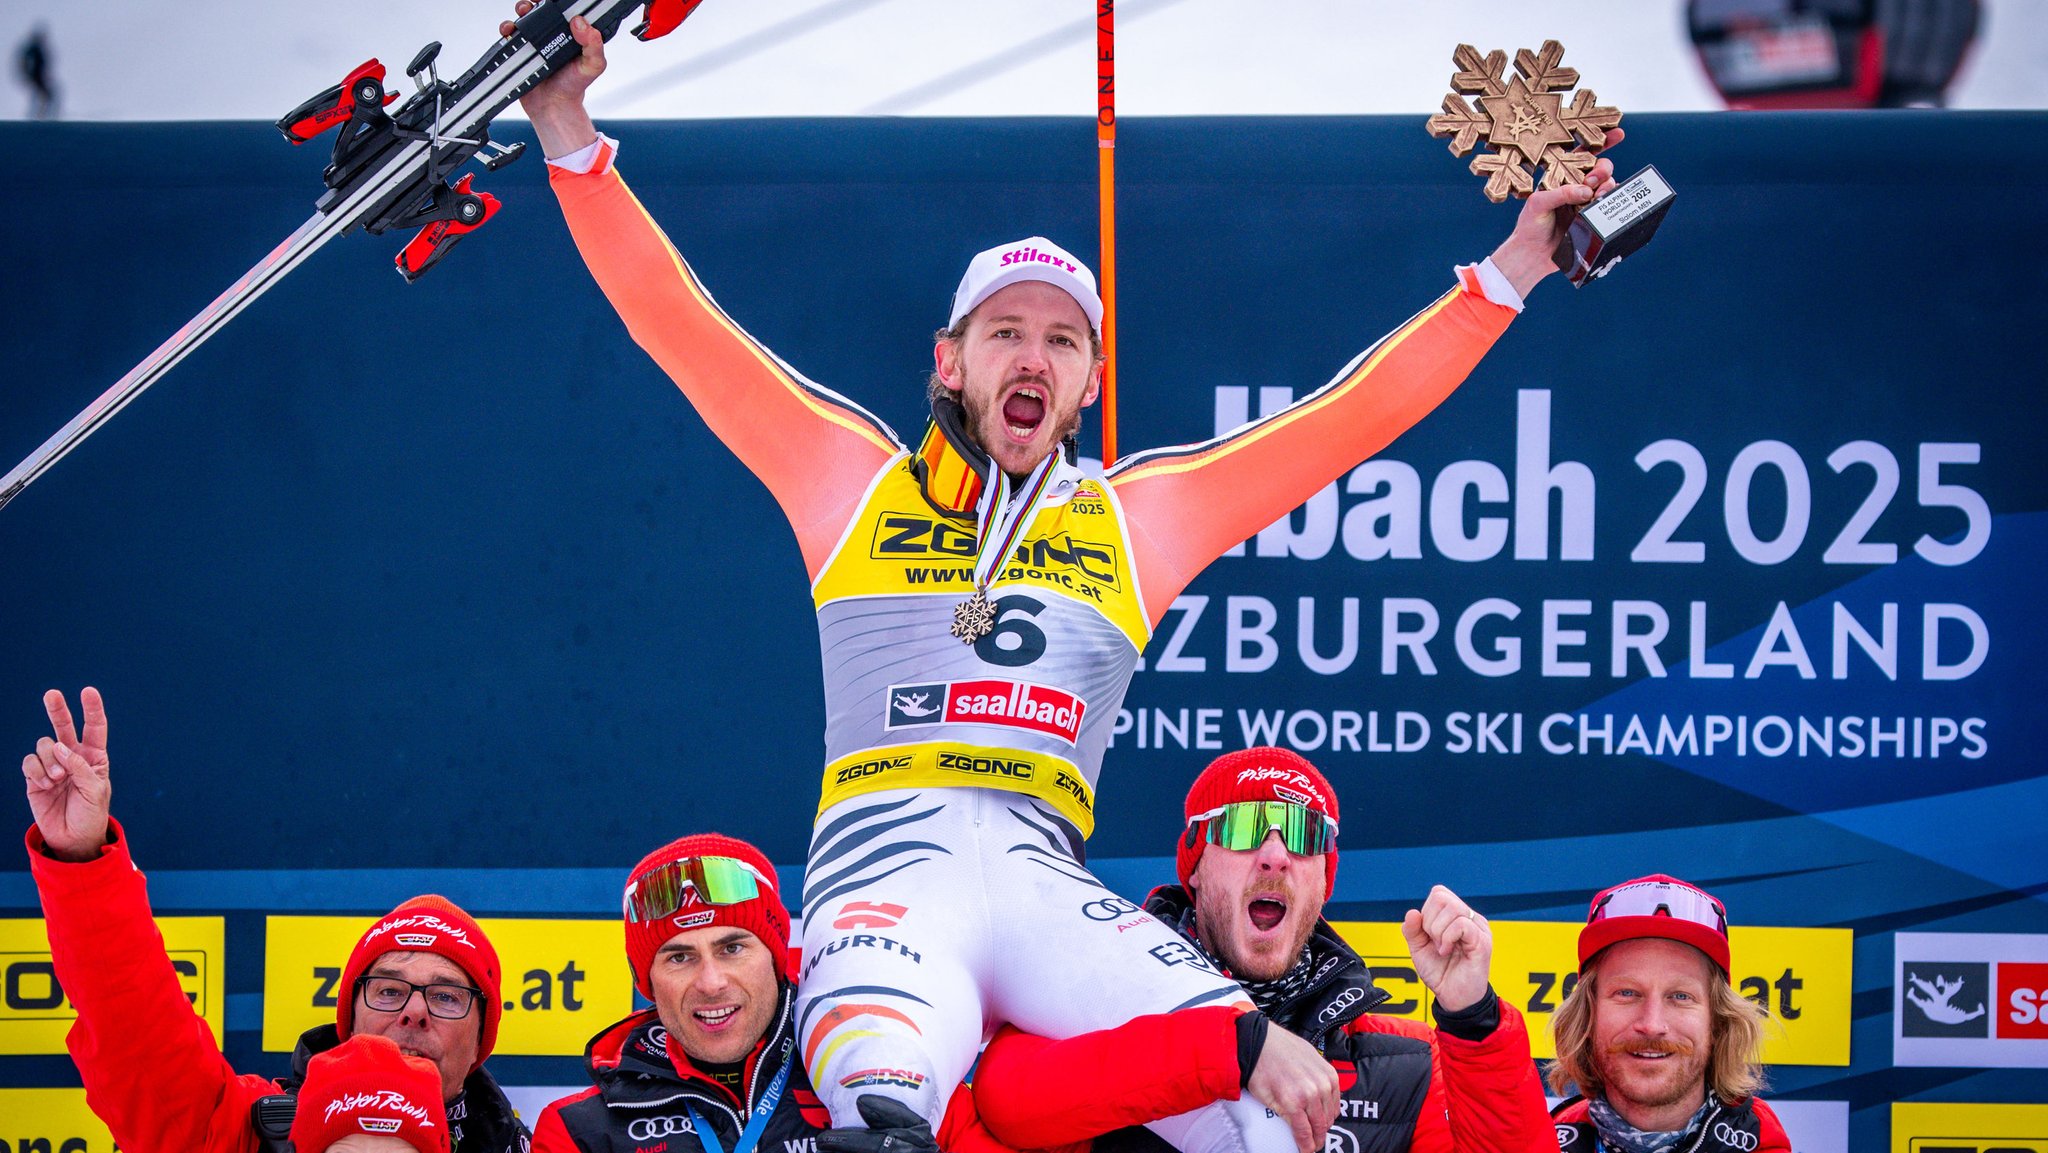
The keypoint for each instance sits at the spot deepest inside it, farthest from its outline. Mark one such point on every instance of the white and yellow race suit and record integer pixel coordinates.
(945, 892)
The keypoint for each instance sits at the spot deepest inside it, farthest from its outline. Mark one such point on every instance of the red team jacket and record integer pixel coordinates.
(642, 1090)
(152, 1070)
(1750, 1127)
(155, 1075)
(1404, 1086)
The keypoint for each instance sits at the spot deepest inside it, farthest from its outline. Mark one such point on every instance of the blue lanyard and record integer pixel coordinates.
(751, 1135)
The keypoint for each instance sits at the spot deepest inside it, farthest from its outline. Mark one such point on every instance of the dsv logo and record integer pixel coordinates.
(1732, 1137)
(1108, 909)
(648, 1128)
(1345, 1000)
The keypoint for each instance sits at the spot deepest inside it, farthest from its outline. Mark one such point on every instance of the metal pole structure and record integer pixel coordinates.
(1105, 151)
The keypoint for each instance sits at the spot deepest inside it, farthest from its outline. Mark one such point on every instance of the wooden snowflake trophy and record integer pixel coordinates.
(1527, 123)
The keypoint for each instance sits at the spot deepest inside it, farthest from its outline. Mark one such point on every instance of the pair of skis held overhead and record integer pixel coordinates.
(390, 170)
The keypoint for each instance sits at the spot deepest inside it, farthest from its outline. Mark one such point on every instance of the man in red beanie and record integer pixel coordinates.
(424, 976)
(1257, 862)
(365, 1096)
(1662, 1048)
(714, 1064)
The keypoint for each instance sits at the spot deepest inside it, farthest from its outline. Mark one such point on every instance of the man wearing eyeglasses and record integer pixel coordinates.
(424, 976)
(714, 1065)
(1662, 1048)
(1257, 863)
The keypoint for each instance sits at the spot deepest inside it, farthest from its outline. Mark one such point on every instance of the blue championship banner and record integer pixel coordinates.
(1725, 566)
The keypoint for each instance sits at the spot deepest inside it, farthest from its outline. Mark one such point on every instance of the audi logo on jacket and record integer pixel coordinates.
(641, 1095)
(1750, 1127)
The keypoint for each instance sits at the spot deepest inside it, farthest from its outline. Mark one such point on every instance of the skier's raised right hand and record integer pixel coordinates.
(555, 105)
(69, 788)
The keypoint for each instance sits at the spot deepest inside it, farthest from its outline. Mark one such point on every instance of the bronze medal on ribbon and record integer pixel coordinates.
(974, 618)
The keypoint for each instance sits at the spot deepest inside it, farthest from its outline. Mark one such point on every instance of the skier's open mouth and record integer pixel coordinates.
(1024, 411)
(1267, 913)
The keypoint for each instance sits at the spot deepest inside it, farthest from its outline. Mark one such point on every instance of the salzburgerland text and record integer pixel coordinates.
(1490, 637)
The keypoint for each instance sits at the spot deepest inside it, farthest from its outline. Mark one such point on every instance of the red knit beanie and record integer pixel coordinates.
(429, 924)
(1261, 774)
(763, 916)
(365, 1085)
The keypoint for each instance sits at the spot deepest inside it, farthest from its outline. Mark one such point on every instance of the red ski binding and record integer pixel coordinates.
(364, 86)
(663, 17)
(453, 216)
(389, 172)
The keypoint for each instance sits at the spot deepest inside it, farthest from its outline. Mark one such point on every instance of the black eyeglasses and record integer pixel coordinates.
(389, 995)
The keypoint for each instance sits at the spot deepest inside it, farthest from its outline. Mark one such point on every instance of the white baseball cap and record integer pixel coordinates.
(1032, 258)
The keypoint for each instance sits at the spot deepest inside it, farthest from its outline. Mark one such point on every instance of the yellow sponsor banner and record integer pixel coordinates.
(52, 1121)
(564, 980)
(34, 1012)
(1928, 1127)
(1802, 977)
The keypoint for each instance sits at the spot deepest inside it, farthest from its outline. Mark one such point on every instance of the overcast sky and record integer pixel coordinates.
(255, 59)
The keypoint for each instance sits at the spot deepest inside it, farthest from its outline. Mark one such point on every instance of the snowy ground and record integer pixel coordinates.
(253, 59)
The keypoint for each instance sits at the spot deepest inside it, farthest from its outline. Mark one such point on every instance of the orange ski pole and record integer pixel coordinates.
(1105, 150)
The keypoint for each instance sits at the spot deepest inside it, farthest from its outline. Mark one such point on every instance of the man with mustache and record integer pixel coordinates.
(1662, 1049)
(423, 975)
(1257, 862)
(982, 603)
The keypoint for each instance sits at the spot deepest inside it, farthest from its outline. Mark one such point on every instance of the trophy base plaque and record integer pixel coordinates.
(1616, 225)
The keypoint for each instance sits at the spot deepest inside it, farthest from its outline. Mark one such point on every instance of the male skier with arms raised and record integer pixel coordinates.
(981, 606)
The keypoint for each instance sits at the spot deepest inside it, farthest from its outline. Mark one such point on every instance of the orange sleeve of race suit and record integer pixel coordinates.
(1483, 1096)
(1184, 506)
(815, 450)
(1035, 1093)
(151, 1068)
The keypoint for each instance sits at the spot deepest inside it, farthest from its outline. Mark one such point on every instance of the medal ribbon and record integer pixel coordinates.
(751, 1136)
(1001, 523)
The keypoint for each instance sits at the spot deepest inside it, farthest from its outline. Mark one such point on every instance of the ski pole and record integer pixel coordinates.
(1105, 152)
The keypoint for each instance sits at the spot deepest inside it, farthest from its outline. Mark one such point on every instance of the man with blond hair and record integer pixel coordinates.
(1661, 1048)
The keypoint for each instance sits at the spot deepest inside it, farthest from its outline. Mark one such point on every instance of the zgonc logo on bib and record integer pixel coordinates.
(1013, 704)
